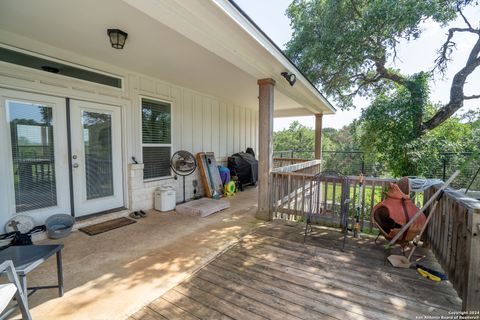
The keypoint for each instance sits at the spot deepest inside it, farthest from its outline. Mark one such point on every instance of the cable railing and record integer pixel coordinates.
(355, 162)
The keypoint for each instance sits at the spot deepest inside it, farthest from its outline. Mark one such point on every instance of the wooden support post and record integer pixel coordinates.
(318, 135)
(471, 297)
(265, 146)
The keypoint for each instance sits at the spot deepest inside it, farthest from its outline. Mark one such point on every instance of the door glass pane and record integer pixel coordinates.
(31, 133)
(97, 140)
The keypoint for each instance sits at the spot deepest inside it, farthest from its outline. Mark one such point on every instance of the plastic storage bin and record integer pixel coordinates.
(59, 225)
(165, 198)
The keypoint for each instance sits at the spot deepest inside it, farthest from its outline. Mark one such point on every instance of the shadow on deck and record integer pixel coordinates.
(272, 274)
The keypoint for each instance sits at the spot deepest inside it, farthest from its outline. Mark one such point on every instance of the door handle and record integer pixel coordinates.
(75, 165)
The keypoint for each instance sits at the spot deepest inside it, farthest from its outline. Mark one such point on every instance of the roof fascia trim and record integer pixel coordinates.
(238, 15)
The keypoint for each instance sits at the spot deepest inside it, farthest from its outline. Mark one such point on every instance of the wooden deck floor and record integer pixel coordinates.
(271, 274)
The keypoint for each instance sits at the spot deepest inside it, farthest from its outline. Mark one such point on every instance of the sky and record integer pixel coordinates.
(413, 57)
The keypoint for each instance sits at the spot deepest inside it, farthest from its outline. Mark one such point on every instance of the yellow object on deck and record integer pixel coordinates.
(428, 275)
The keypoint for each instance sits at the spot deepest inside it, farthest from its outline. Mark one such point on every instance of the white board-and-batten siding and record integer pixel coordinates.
(200, 122)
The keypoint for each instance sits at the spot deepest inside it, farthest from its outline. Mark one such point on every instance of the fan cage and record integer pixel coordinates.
(189, 161)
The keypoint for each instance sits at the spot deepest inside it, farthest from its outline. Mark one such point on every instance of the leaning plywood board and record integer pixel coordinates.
(209, 172)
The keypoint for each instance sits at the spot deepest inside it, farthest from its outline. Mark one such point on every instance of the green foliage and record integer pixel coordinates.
(384, 135)
(301, 138)
(388, 133)
(347, 47)
(389, 125)
(296, 137)
(456, 135)
(344, 45)
(345, 139)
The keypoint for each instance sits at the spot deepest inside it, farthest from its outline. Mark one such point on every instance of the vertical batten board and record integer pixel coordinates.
(197, 124)
(147, 85)
(242, 129)
(187, 121)
(230, 129)
(164, 89)
(223, 127)
(207, 124)
(254, 130)
(253, 140)
(177, 123)
(216, 132)
(236, 129)
(135, 120)
(247, 128)
(128, 144)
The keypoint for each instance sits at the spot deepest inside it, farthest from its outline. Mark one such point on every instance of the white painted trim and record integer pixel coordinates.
(84, 206)
(172, 105)
(126, 149)
(136, 84)
(283, 113)
(242, 21)
(207, 24)
(78, 66)
(156, 145)
(90, 93)
(159, 179)
(60, 152)
(39, 82)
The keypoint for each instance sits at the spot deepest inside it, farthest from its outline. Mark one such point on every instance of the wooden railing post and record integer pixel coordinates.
(318, 135)
(471, 298)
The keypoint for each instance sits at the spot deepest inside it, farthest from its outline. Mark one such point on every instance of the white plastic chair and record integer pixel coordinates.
(12, 289)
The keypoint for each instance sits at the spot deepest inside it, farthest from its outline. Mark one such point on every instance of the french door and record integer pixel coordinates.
(33, 149)
(96, 157)
(38, 175)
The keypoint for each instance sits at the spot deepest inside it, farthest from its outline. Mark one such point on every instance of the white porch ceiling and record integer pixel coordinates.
(154, 49)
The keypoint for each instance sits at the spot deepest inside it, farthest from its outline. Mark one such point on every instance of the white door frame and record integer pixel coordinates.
(7, 194)
(82, 206)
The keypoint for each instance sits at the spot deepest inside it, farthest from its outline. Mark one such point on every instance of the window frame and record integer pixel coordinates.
(142, 145)
(122, 87)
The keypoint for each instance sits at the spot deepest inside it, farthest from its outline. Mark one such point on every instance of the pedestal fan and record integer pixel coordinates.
(183, 163)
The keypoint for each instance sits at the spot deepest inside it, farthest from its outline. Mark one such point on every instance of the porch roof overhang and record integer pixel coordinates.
(223, 28)
(208, 46)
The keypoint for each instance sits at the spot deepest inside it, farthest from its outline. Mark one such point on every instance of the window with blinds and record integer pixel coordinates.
(156, 138)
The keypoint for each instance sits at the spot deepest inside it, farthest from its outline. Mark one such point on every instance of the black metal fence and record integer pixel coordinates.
(354, 162)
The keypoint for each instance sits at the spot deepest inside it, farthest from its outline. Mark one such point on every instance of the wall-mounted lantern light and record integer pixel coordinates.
(117, 38)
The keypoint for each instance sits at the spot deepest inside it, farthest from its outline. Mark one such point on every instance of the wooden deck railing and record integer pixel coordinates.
(295, 193)
(453, 233)
(283, 162)
(454, 236)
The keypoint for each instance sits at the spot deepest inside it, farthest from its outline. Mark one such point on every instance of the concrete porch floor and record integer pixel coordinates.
(112, 275)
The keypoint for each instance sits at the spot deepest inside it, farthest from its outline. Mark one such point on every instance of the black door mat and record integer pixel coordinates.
(106, 226)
